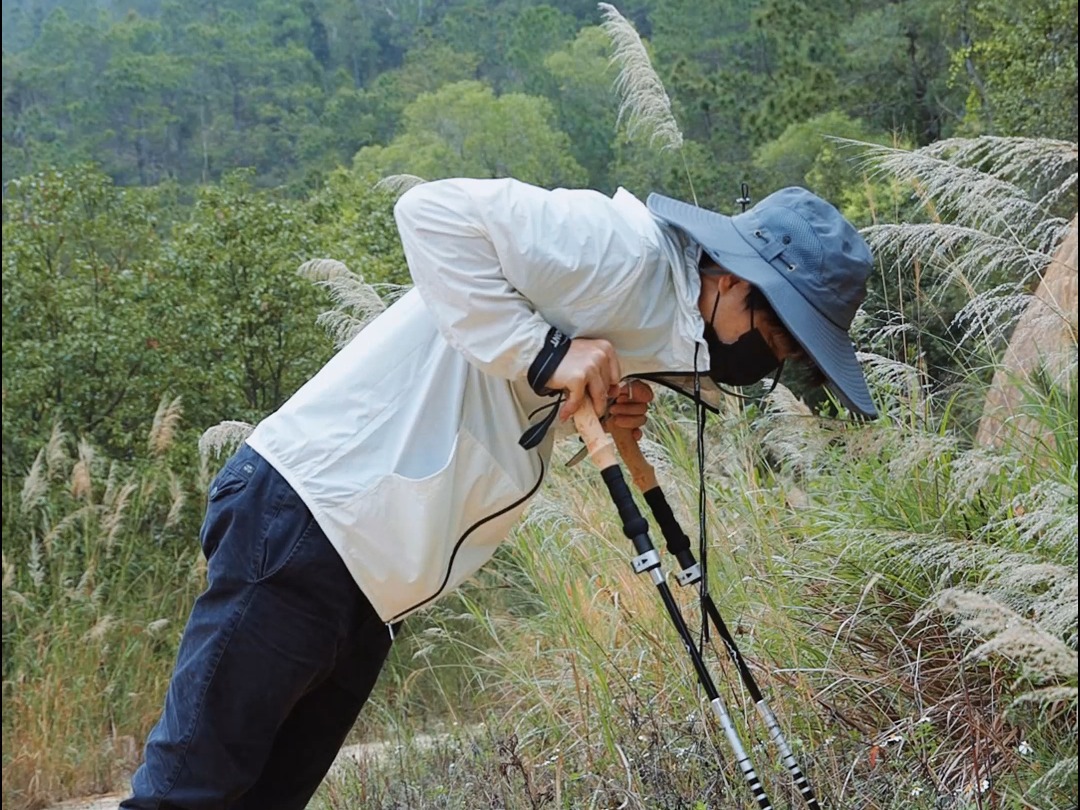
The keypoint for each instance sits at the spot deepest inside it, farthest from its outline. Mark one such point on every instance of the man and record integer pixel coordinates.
(393, 474)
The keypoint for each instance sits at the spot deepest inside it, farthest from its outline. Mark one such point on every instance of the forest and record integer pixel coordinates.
(171, 172)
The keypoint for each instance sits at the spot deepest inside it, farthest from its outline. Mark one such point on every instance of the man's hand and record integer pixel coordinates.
(590, 368)
(630, 407)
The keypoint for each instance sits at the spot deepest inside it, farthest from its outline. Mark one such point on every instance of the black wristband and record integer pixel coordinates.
(555, 347)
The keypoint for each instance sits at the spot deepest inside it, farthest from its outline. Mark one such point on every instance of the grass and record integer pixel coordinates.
(98, 577)
(836, 581)
(906, 598)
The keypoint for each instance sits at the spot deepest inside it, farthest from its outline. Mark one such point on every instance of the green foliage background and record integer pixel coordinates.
(167, 166)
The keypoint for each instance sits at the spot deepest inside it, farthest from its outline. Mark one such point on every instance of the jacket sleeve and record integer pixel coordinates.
(501, 264)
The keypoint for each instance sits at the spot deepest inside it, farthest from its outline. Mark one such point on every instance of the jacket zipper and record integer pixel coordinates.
(457, 545)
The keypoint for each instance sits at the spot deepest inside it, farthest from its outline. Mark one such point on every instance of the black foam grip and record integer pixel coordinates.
(634, 525)
(678, 543)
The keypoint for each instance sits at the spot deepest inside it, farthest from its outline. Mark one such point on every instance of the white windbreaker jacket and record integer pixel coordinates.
(405, 445)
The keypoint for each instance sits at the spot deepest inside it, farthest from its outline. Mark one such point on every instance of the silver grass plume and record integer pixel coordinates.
(85, 588)
(82, 471)
(984, 223)
(398, 184)
(114, 517)
(966, 255)
(223, 437)
(111, 479)
(1045, 516)
(163, 429)
(555, 519)
(920, 450)
(100, 629)
(1045, 658)
(70, 520)
(791, 433)
(56, 455)
(900, 388)
(1062, 773)
(937, 556)
(990, 315)
(1046, 592)
(34, 485)
(976, 178)
(976, 471)
(659, 457)
(356, 303)
(177, 499)
(644, 105)
(35, 566)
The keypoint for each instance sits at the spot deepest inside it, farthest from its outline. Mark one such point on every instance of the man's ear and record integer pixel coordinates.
(727, 282)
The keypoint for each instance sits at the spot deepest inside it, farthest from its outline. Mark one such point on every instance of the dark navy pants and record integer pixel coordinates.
(278, 656)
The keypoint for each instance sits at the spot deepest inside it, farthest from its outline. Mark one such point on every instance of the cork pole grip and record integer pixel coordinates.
(641, 471)
(597, 442)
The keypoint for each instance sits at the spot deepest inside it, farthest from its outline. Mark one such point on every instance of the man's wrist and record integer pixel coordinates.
(552, 352)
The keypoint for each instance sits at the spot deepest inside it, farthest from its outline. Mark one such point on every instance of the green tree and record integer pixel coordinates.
(1020, 59)
(244, 333)
(50, 111)
(585, 101)
(536, 32)
(83, 340)
(802, 56)
(142, 96)
(355, 224)
(465, 129)
(715, 75)
(897, 73)
(807, 154)
(425, 70)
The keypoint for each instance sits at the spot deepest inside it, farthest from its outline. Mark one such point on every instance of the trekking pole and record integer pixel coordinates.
(636, 528)
(678, 544)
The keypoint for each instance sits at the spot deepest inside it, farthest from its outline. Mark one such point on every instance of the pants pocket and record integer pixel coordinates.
(286, 532)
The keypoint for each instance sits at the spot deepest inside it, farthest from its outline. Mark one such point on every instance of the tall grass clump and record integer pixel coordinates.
(906, 599)
(905, 595)
(99, 573)
(909, 596)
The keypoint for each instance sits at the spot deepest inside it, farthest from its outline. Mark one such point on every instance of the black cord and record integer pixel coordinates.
(535, 433)
(703, 553)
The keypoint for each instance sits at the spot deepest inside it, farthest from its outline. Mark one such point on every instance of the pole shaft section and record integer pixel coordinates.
(601, 450)
(678, 544)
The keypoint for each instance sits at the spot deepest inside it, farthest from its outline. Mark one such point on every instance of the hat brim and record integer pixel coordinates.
(828, 345)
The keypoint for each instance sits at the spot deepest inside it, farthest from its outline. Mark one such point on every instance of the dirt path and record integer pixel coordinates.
(349, 754)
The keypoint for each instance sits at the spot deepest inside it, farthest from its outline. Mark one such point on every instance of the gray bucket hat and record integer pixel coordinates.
(808, 261)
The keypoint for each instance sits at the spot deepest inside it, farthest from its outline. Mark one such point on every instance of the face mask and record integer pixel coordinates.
(744, 362)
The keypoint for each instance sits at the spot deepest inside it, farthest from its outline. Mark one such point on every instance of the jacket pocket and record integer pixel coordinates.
(421, 537)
